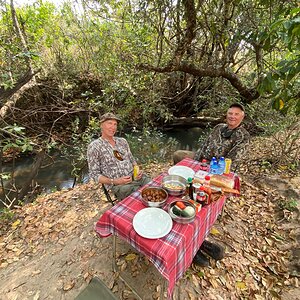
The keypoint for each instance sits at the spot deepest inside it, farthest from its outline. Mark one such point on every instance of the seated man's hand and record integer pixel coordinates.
(140, 175)
(123, 180)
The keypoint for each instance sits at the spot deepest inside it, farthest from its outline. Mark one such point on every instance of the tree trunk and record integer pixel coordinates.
(193, 122)
(15, 93)
(20, 35)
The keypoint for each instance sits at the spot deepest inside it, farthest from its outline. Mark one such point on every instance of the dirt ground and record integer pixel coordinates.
(49, 250)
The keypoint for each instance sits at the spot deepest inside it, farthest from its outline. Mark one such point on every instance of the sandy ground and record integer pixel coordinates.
(49, 250)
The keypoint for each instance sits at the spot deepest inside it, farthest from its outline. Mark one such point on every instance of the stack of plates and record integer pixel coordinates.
(183, 171)
(152, 223)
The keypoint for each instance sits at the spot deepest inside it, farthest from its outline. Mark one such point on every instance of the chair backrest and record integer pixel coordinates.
(108, 196)
(96, 290)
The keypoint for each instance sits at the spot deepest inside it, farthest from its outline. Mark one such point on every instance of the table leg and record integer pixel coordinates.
(163, 288)
(116, 268)
(114, 264)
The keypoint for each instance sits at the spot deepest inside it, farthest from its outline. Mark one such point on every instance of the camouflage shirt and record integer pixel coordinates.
(222, 141)
(102, 161)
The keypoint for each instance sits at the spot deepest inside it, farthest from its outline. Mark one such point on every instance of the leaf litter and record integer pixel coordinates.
(49, 250)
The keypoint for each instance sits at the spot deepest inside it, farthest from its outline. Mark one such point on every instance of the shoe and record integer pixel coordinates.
(213, 250)
(201, 259)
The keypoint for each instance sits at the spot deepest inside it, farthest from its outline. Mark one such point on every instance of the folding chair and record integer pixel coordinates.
(96, 290)
(108, 196)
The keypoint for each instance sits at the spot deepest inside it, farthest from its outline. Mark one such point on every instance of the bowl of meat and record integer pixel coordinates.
(154, 196)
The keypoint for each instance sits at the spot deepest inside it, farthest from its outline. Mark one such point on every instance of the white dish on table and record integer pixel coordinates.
(152, 223)
(183, 171)
(201, 174)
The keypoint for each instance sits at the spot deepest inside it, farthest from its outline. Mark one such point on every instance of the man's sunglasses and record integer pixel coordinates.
(117, 155)
(226, 133)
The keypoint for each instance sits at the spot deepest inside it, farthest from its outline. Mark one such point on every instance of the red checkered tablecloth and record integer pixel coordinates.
(172, 254)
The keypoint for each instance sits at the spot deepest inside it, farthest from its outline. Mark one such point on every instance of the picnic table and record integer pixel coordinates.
(172, 254)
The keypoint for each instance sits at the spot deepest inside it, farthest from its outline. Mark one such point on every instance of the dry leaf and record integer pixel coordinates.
(214, 283)
(15, 224)
(68, 285)
(241, 285)
(36, 272)
(254, 274)
(130, 257)
(37, 295)
(214, 231)
(269, 241)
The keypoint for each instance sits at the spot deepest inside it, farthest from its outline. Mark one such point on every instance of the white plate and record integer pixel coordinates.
(201, 174)
(152, 223)
(183, 171)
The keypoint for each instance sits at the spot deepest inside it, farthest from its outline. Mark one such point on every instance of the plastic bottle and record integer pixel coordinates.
(214, 168)
(204, 165)
(212, 162)
(221, 165)
(202, 196)
(207, 189)
(206, 181)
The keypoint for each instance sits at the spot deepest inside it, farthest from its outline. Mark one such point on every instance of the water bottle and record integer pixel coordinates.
(213, 167)
(211, 163)
(221, 165)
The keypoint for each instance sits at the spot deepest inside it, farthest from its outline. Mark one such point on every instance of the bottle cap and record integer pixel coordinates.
(202, 188)
(190, 180)
(204, 160)
(207, 177)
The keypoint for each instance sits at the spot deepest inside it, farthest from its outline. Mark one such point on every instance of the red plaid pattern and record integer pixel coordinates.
(172, 254)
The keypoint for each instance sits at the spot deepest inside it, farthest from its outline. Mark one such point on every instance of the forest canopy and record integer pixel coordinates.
(149, 61)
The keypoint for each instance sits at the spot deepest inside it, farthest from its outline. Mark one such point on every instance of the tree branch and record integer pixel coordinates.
(249, 94)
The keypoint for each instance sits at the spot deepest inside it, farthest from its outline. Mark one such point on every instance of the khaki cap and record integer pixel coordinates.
(109, 116)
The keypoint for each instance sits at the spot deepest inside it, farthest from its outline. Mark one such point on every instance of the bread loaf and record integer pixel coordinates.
(230, 191)
(222, 181)
(226, 184)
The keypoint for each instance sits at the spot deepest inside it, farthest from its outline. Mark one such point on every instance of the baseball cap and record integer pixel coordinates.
(240, 106)
(109, 116)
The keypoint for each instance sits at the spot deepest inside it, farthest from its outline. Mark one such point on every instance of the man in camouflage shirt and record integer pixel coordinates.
(228, 140)
(111, 162)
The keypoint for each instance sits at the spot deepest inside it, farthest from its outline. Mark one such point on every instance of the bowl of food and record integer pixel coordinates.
(154, 196)
(182, 211)
(175, 185)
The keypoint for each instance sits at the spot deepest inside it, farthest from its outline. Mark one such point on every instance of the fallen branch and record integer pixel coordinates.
(13, 95)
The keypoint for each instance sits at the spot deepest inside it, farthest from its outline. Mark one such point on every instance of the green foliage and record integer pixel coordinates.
(5, 176)
(6, 214)
(282, 83)
(107, 41)
(150, 145)
(76, 151)
(16, 140)
(288, 204)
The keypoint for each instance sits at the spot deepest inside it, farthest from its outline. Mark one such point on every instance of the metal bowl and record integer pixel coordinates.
(154, 196)
(180, 219)
(175, 185)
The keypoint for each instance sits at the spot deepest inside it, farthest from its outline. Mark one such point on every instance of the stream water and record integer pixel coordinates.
(57, 175)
